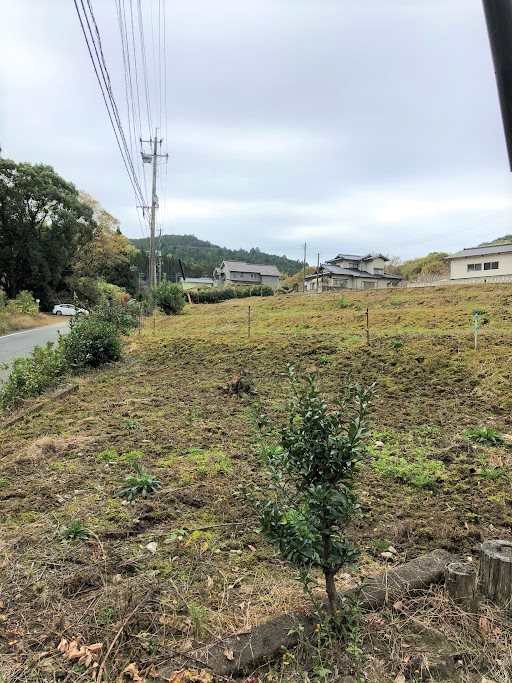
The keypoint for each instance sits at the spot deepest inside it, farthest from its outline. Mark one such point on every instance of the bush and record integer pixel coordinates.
(311, 477)
(24, 304)
(90, 344)
(213, 296)
(32, 376)
(169, 297)
(121, 316)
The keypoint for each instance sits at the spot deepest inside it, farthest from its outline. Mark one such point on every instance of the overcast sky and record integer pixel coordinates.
(352, 125)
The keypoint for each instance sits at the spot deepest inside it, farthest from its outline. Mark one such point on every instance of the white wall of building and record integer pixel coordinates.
(459, 266)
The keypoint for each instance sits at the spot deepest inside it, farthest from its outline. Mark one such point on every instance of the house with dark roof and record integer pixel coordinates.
(490, 264)
(242, 273)
(351, 271)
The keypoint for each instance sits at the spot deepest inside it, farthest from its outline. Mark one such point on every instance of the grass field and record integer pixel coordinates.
(210, 573)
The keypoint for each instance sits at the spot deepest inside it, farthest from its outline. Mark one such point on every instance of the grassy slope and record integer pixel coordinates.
(202, 444)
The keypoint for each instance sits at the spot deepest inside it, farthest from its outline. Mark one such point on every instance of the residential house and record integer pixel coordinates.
(482, 264)
(196, 282)
(349, 271)
(241, 273)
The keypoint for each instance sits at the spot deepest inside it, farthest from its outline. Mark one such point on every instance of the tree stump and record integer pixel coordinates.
(460, 585)
(496, 572)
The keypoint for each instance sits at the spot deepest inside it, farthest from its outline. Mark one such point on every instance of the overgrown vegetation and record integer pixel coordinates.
(90, 343)
(213, 296)
(32, 376)
(187, 558)
(311, 478)
(169, 297)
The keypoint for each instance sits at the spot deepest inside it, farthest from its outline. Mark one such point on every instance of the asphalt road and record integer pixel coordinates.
(18, 344)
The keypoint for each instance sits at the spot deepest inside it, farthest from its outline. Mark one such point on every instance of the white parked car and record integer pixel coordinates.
(69, 309)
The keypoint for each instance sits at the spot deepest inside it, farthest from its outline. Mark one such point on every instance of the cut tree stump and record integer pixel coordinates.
(460, 585)
(496, 572)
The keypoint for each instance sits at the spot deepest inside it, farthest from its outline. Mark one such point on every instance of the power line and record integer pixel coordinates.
(144, 64)
(104, 83)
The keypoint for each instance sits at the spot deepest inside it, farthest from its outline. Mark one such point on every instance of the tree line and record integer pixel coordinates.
(200, 257)
(55, 241)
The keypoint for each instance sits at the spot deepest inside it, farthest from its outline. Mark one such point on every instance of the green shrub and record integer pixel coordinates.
(24, 304)
(213, 296)
(416, 470)
(31, 376)
(169, 297)
(91, 343)
(121, 316)
(311, 476)
(485, 435)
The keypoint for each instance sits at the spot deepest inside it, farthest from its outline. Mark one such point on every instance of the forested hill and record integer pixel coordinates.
(506, 239)
(200, 257)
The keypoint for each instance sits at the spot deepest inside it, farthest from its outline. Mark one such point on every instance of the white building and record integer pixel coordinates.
(482, 264)
(348, 271)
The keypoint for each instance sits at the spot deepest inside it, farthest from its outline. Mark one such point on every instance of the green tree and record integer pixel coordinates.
(106, 255)
(312, 481)
(169, 297)
(43, 223)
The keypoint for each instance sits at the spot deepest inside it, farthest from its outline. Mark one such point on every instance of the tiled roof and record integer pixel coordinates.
(354, 257)
(243, 267)
(336, 270)
(482, 251)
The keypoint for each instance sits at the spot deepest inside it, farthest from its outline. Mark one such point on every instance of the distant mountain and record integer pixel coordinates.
(200, 257)
(506, 239)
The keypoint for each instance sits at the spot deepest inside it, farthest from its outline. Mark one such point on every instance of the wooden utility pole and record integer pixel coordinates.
(368, 326)
(317, 269)
(304, 269)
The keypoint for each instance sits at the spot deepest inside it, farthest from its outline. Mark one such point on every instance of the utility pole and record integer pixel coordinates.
(304, 269)
(159, 254)
(317, 269)
(148, 159)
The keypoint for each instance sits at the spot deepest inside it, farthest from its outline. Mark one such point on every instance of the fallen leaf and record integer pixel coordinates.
(209, 581)
(132, 672)
(191, 676)
(252, 548)
(74, 651)
(485, 627)
(399, 679)
(229, 654)
(152, 547)
(399, 606)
